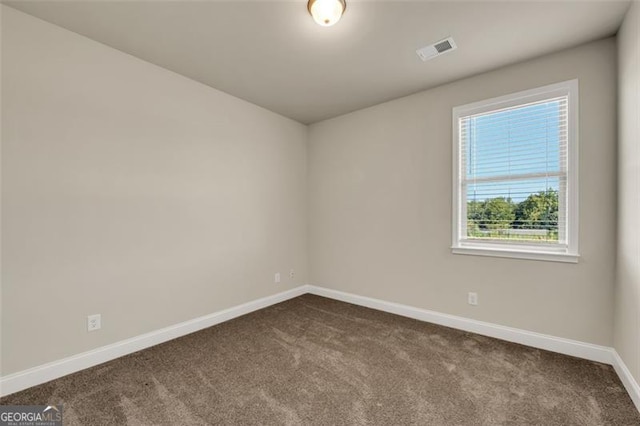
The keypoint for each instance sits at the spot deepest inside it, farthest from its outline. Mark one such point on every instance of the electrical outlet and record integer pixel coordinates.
(292, 274)
(276, 279)
(473, 299)
(94, 322)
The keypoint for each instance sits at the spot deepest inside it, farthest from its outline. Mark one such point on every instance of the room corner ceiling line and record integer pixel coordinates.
(292, 66)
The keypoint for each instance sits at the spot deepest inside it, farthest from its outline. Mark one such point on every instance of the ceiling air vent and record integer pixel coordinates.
(436, 49)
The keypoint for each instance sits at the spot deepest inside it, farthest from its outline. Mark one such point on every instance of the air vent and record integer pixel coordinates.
(436, 49)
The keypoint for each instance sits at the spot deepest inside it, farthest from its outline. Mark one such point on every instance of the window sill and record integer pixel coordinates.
(516, 254)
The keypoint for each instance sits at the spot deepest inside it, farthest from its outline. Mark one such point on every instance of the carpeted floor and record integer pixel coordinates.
(312, 360)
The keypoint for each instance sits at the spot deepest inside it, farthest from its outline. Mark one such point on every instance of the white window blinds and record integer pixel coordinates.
(515, 172)
(515, 185)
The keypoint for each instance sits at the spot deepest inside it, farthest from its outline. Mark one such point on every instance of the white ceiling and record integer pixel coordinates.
(274, 55)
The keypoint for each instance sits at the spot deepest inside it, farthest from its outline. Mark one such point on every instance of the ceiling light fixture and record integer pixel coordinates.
(326, 12)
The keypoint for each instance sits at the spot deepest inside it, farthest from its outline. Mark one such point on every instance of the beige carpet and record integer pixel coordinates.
(312, 360)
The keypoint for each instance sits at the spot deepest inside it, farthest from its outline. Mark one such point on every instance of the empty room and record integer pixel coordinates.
(320, 212)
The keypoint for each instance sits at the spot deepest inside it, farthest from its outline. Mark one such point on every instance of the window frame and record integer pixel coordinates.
(511, 249)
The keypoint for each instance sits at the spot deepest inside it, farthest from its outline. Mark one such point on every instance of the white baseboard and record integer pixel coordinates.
(537, 340)
(43, 373)
(604, 354)
(627, 379)
(53, 370)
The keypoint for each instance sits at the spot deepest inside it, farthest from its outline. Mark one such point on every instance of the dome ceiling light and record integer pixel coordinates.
(326, 12)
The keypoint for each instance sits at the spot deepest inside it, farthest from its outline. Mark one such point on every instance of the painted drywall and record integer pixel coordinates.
(133, 192)
(380, 184)
(627, 288)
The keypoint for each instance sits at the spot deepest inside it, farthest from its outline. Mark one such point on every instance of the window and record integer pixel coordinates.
(515, 175)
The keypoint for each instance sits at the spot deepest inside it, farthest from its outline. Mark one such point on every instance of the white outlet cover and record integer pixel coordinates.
(94, 322)
(473, 299)
(277, 277)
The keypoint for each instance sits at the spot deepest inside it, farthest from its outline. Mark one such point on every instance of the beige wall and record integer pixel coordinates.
(627, 290)
(139, 194)
(380, 206)
(133, 192)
